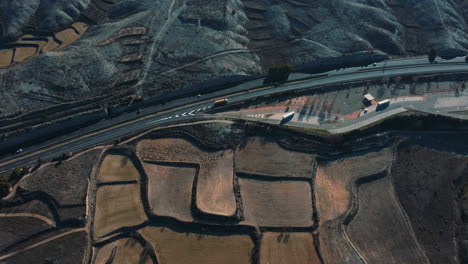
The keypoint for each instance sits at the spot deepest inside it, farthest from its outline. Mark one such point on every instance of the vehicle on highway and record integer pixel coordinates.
(19, 151)
(382, 105)
(199, 95)
(139, 111)
(220, 102)
(287, 117)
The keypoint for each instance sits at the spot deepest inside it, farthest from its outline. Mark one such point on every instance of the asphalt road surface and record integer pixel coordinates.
(191, 107)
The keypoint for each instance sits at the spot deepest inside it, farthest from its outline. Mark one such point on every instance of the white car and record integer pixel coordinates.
(19, 151)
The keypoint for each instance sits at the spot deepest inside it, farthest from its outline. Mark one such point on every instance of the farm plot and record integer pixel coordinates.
(276, 203)
(118, 168)
(291, 248)
(193, 247)
(123, 251)
(215, 185)
(264, 156)
(379, 230)
(170, 190)
(117, 206)
(333, 193)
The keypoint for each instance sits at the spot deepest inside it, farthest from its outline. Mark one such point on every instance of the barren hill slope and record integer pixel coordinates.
(54, 52)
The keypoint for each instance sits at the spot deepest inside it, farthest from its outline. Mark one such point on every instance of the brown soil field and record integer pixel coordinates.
(333, 193)
(67, 182)
(67, 37)
(118, 168)
(264, 156)
(15, 229)
(424, 184)
(117, 206)
(215, 186)
(380, 231)
(51, 44)
(291, 248)
(192, 248)
(276, 203)
(5, 57)
(22, 53)
(69, 249)
(170, 190)
(123, 251)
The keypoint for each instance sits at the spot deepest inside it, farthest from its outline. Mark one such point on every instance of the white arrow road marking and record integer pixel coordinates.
(184, 114)
(191, 113)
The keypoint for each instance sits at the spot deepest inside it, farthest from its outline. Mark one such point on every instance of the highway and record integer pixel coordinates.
(193, 107)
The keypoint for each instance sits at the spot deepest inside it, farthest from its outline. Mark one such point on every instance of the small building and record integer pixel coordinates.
(367, 99)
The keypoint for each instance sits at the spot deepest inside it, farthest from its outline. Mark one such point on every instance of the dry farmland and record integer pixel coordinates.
(258, 155)
(215, 185)
(333, 191)
(118, 168)
(117, 206)
(291, 248)
(123, 251)
(198, 248)
(379, 231)
(276, 203)
(170, 190)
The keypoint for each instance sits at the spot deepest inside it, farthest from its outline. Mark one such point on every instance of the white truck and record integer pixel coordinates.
(382, 105)
(287, 117)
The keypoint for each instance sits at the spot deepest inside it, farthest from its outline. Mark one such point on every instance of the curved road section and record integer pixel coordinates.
(191, 107)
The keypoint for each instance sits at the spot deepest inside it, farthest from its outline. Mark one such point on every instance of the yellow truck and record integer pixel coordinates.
(220, 102)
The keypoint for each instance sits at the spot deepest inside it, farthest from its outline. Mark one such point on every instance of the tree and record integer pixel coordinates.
(432, 55)
(278, 74)
(4, 186)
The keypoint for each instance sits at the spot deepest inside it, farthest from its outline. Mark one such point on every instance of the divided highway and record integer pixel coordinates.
(190, 107)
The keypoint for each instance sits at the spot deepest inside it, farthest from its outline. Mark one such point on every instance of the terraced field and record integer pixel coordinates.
(389, 239)
(215, 183)
(123, 251)
(293, 248)
(176, 195)
(334, 184)
(264, 156)
(118, 204)
(276, 203)
(170, 190)
(193, 247)
(30, 45)
(117, 168)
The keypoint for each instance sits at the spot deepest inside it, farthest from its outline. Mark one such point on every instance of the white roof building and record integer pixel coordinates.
(368, 97)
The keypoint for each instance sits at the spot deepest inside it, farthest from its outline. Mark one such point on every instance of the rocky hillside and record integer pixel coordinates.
(54, 52)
